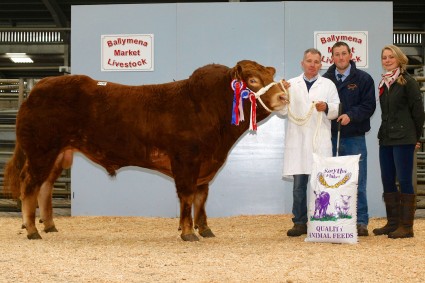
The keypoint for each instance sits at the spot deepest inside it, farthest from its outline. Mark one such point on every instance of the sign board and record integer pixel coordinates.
(127, 52)
(357, 40)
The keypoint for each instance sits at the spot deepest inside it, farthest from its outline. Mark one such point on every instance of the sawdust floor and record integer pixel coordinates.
(245, 249)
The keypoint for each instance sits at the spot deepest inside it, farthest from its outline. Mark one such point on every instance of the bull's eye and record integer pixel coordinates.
(254, 82)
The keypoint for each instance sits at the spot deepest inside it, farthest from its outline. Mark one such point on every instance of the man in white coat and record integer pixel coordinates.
(313, 104)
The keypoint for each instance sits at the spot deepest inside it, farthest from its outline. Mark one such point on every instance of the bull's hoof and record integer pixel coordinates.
(23, 226)
(51, 229)
(189, 238)
(40, 221)
(207, 233)
(34, 236)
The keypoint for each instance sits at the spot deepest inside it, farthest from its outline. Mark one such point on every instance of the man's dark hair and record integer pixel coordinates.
(339, 44)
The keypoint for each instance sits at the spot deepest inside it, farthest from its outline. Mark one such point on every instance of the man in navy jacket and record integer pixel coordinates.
(356, 92)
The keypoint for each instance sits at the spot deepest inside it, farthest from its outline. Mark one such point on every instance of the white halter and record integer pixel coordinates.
(262, 91)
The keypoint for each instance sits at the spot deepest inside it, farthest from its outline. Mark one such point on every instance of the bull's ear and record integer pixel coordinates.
(237, 72)
(271, 70)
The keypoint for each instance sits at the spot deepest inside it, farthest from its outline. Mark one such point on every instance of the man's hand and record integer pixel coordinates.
(344, 119)
(285, 84)
(321, 106)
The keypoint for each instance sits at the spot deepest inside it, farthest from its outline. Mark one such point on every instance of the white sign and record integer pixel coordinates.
(357, 40)
(127, 52)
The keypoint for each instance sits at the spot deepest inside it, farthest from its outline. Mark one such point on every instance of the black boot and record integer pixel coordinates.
(392, 206)
(407, 214)
(297, 230)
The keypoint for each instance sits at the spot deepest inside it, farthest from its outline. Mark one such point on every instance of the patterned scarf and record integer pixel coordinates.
(388, 79)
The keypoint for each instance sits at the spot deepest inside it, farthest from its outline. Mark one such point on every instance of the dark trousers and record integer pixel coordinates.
(299, 206)
(397, 164)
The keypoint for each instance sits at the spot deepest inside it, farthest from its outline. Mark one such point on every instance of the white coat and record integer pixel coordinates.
(315, 135)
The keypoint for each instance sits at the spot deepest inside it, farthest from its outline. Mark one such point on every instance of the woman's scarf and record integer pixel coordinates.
(388, 79)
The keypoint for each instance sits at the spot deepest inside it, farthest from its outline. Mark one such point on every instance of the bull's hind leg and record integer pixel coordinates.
(46, 194)
(29, 206)
(39, 172)
(46, 207)
(200, 213)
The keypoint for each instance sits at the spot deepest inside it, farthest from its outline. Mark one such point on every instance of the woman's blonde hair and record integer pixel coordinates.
(401, 59)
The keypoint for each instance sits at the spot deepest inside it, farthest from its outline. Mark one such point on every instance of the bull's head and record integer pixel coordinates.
(259, 79)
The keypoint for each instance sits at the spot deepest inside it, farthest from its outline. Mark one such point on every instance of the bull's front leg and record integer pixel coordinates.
(186, 222)
(200, 213)
(185, 167)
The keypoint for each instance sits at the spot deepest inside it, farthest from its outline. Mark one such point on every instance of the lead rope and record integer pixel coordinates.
(301, 121)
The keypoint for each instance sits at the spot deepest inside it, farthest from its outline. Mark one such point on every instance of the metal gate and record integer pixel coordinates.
(12, 94)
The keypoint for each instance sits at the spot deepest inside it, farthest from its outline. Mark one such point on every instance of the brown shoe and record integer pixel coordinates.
(362, 230)
(297, 230)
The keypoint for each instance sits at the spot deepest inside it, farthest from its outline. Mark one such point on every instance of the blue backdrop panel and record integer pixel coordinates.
(188, 36)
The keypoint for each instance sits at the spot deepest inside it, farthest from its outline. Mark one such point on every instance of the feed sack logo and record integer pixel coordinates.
(130, 52)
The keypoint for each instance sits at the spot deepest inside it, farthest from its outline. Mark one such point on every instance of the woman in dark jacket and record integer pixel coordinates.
(401, 128)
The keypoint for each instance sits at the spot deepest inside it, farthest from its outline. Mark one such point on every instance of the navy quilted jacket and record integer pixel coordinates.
(357, 96)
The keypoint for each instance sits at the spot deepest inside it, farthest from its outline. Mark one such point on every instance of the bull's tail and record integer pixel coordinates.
(12, 180)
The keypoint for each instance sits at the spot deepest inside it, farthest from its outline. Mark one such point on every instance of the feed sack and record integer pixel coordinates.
(332, 205)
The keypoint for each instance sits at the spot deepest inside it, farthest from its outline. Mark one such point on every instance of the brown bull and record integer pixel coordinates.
(182, 129)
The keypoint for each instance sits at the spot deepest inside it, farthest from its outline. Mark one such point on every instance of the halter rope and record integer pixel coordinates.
(301, 121)
(298, 120)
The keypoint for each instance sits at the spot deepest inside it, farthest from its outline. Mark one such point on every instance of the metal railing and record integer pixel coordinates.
(34, 35)
(18, 88)
(414, 38)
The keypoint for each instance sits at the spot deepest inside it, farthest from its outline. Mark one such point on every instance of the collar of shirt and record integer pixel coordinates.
(312, 79)
(345, 74)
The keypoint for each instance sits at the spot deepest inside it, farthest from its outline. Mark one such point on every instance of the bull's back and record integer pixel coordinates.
(55, 95)
(115, 125)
